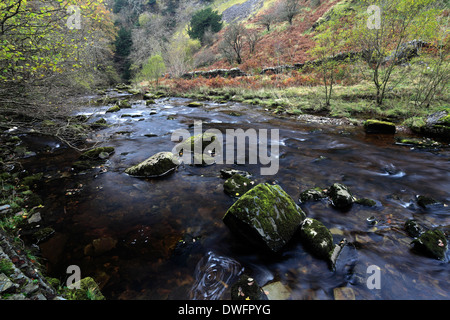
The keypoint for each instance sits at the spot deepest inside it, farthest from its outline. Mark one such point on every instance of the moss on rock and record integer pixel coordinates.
(96, 152)
(266, 215)
(340, 196)
(317, 238)
(88, 290)
(237, 185)
(157, 165)
(431, 243)
(377, 126)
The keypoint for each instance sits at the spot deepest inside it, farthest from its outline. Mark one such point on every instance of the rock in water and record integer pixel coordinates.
(157, 165)
(376, 126)
(317, 238)
(431, 243)
(340, 196)
(265, 215)
(246, 288)
(237, 185)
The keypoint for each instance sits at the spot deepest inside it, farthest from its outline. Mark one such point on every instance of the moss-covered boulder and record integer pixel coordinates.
(114, 108)
(431, 243)
(266, 216)
(317, 238)
(237, 185)
(124, 104)
(157, 165)
(377, 126)
(194, 104)
(437, 125)
(340, 196)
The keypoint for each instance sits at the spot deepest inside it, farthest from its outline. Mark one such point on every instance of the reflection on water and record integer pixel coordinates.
(136, 236)
(213, 274)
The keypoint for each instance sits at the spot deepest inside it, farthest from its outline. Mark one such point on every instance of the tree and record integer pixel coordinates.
(384, 43)
(330, 39)
(288, 9)
(233, 42)
(153, 69)
(203, 20)
(267, 19)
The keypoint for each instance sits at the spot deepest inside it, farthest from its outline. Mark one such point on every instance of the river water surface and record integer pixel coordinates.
(164, 238)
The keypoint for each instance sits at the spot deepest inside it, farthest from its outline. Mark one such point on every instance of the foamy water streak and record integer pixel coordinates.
(213, 274)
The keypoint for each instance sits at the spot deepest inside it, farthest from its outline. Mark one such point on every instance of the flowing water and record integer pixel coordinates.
(164, 238)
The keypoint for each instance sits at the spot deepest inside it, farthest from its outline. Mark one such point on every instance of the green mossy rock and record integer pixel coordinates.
(340, 196)
(88, 290)
(202, 140)
(431, 243)
(425, 201)
(157, 165)
(412, 228)
(376, 126)
(194, 104)
(266, 215)
(317, 238)
(237, 185)
(96, 152)
(366, 202)
(124, 104)
(114, 108)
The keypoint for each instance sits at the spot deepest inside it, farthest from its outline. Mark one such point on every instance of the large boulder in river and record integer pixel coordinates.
(266, 215)
(157, 165)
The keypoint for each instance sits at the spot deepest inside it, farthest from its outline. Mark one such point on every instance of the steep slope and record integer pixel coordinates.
(283, 44)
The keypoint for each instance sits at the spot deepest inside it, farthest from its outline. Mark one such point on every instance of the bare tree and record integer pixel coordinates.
(252, 38)
(267, 19)
(233, 42)
(288, 9)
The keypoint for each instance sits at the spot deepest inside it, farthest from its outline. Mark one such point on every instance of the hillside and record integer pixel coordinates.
(283, 44)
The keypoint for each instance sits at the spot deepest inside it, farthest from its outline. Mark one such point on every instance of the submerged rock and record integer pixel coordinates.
(237, 185)
(425, 201)
(246, 288)
(314, 194)
(431, 243)
(340, 196)
(377, 126)
(97, 153)
(228, 173)
(265, 215)
(412, 228)
(317, 238)
(157, 165)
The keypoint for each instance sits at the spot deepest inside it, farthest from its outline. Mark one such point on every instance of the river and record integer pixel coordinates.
(164, 238)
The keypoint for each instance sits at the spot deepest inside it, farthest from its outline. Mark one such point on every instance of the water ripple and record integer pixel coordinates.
(213, 274)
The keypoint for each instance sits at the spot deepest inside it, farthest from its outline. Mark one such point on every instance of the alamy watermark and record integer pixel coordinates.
(73, 281)
(374, 280)
(207, 147)
(374, 20)
(74, 20)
